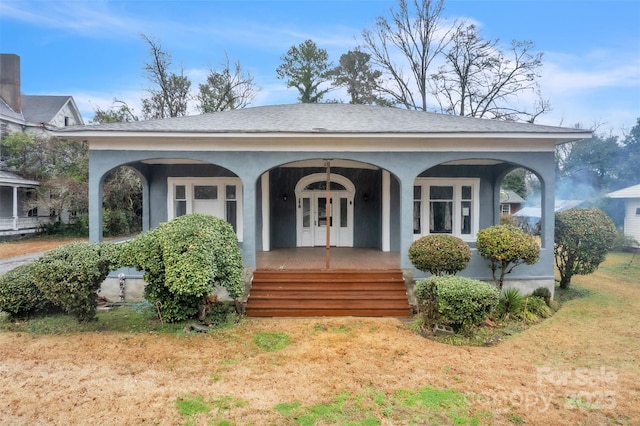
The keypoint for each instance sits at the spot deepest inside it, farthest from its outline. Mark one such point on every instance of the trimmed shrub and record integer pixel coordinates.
(70, 276)
(183, 259)
(582, 240)
(19, 296)
(464, 302)
(506, 247)
(440, 254)
(544, 294)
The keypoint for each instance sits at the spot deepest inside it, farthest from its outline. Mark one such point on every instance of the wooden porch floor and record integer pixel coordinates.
(313, 258)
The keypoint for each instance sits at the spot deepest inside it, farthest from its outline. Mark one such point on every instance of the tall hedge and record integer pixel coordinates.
(440, 254)
(70, 276)
(183, 259)
(19, 295)
(582, 239)
(505, 247)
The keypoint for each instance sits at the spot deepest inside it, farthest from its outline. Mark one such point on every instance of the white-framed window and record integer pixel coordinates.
(220, 197)
(446, 206)
(505, 208)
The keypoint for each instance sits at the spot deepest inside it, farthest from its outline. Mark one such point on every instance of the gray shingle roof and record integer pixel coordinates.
(6, 111)
(324, 118)
(42, 109)
(12, 178)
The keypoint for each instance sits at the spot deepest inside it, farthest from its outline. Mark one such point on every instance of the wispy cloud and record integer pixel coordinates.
(83, 18)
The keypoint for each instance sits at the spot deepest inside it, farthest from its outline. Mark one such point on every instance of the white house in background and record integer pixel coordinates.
(27, 114)
(16, 216)
(631, 195)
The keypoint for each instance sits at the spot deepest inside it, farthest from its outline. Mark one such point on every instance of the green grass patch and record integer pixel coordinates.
(271, 342)
(370, 408)
(212, 410)
(192, 405)
(139, 318)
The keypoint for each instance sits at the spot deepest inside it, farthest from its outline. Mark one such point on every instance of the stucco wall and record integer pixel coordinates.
(403, 166)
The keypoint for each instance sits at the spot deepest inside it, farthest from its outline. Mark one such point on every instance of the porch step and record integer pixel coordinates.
(308, 293)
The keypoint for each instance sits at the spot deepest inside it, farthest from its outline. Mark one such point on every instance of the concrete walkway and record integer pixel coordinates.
(13, 262)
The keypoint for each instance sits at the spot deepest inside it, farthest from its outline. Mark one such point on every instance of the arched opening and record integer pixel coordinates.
(291, 205)
(313, 218)
(122, 202)
(463, 196)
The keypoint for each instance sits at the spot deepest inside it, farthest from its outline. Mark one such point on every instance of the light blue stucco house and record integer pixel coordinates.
(395, 175)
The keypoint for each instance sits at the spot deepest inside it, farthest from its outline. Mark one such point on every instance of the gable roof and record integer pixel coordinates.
(43, 108)
(507, 196)
(331, 119)
(629, 192)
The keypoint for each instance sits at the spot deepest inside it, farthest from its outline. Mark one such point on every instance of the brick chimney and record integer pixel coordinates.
(10, 80)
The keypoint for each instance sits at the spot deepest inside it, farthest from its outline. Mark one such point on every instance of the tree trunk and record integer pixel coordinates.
(565, 280)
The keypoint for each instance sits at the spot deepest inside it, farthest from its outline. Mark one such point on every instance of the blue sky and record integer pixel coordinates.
(93, 51)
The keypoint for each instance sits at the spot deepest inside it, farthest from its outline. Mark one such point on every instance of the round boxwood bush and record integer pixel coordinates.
(440, 254)
(464, 302)
(505, 247)
(183, 260)
(19, 296)
(70, 276)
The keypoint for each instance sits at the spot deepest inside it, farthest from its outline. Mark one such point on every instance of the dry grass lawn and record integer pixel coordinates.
(32, 245)
(579, 367)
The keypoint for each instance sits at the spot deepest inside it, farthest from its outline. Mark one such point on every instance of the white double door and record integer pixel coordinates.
(314, 218)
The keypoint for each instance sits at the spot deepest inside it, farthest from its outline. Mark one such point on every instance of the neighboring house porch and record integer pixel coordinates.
(17, 215)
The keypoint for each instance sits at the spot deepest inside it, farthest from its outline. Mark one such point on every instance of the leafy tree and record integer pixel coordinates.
(122, 189)
(629, 172)
(593, 163)
(505, 247)
(306, 67)
(515, 181)
(169, 95)
(61, 166)
(479, 79)
(411, 36)
(122, 202)
(583, 237)
(120, 114)
(361, 81)
(226, 89)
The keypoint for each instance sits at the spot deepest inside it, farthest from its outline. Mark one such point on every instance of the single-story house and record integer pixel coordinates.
(510, 202)
(338, 175)
(631, 195)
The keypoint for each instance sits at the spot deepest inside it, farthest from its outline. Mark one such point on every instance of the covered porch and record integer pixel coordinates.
(315, 258)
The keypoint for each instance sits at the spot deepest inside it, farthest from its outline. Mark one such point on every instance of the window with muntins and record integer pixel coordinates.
(219, 197)
(446, 206)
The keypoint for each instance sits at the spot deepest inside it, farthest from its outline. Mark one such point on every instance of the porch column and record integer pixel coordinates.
(95, 203)
(15, 208)
(249, 221)
(266, 220)
(386, 211)
(406, 221)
